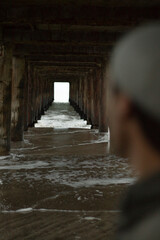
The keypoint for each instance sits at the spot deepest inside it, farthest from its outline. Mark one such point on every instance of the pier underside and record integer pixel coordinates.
(60, 182)
(46, 41)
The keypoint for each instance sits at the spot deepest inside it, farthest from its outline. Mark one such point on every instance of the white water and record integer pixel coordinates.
(62, 115)
(27, 210)
(72, 171)
(84, 177)
(76, 172)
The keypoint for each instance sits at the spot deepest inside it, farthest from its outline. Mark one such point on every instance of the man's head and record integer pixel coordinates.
(135, 89)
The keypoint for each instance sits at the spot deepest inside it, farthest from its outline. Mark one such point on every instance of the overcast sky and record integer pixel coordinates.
(61, 92)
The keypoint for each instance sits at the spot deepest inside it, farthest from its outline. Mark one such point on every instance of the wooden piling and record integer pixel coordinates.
(103, 125)
(5, 98)
(17, 111)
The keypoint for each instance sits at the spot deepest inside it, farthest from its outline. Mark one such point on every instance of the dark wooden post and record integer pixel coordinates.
(5, 98)
(89, 99)
(103, 125)
(17, 111)
(85, 97)
(53, 92)
(30, 97)
(71, 93)
(80, 98)
(26, 98)
(95, 99)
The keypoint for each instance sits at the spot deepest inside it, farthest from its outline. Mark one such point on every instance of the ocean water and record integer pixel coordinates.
(62, 115)
(61, 180)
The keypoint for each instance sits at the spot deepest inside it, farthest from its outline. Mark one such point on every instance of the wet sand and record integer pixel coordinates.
(61, 183)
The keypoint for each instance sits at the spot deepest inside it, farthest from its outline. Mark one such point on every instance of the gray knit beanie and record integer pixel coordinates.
(135, 67)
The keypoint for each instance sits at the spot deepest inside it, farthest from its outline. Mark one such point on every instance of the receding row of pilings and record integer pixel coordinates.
(24, 97)
(88, 96)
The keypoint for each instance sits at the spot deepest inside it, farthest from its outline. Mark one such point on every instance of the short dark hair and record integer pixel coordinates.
(149, 125)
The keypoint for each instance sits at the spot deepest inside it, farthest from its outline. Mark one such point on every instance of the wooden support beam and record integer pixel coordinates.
(64, 69)
(64, 64)
(83, 15)
(30, 97)
(66, 35)
(95, 108)
(59, 78)
(31, 50)
(80, 3)
(85, 97)
(82, 92)
(36, 90)
(39, 97)
(5, 98)
(103, 124)
(80, 97)
(89, 98)
(26, 97)
(94, 100)
(71, 93)
(18, 92)
(64, 57)
(67, 76)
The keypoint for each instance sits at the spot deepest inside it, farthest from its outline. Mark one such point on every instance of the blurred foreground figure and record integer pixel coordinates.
(135, 128)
